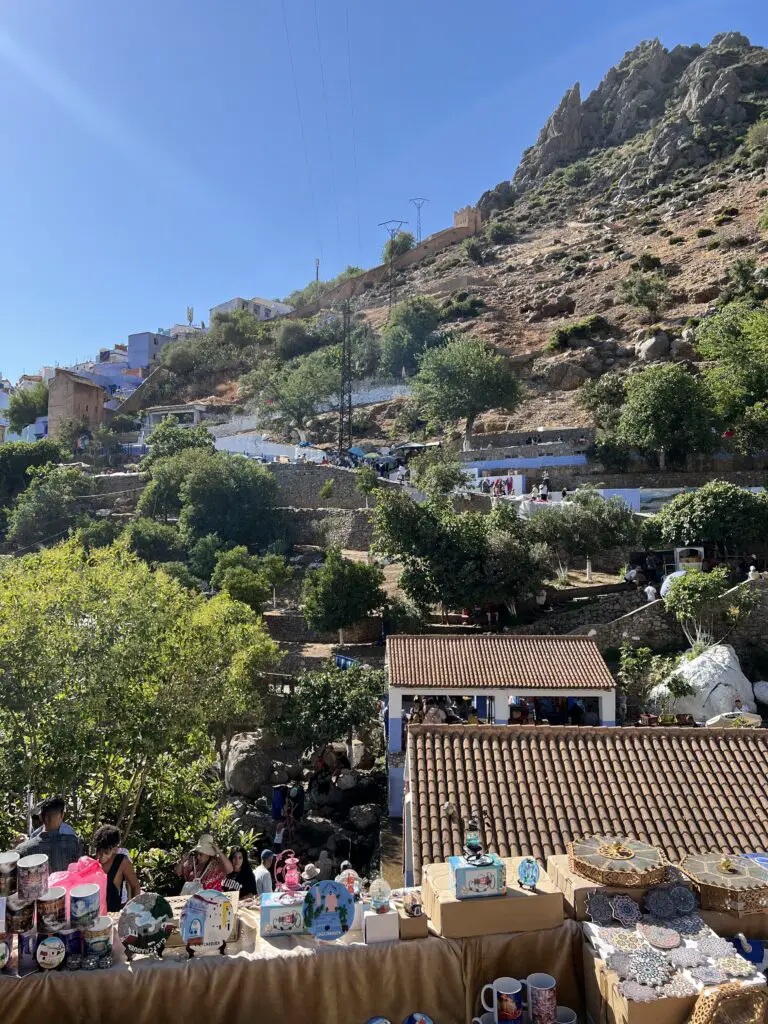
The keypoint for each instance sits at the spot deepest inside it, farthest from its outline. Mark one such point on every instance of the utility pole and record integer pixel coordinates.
(345, 389)
(418, 203)
(317, 268)
(392, 227)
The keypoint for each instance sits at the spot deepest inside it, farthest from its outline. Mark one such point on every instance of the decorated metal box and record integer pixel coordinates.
(282, 913)
(469, 880)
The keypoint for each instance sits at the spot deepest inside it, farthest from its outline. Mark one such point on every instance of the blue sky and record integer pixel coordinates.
(153, 154)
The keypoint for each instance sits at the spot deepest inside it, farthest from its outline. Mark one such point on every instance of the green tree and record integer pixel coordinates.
(463, 379)
(230, 496)
(647, 291)
(315, 289)
(330, 704)
(367, 481)
(26, 405)
(276, 572)
(584, 525)
(290, 397)
(340, 593)
(98, 533)
(437, 472)
(719, 513)
(397, 246)
(668, 411)
(243, 584)
(412, 329)
(697, 602)
(603, 398)
(161, 498)
(203, 553)
(16, 457)
(122, 678)
(153, 541)
(292, 339)
(168, 439)
(52, 503)
(745, 280)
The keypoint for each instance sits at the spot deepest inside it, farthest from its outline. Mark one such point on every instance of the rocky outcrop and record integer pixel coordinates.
(716, 679)
(249, 768)
(682, 106)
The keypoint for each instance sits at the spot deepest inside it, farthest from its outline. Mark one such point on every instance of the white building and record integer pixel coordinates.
(262, 309)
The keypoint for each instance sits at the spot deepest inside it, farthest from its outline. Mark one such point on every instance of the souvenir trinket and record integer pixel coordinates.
(481, 875)
(32, 876)
(19, 916)
(206, 921)
(72, 939)
(380, 892)
(412, 903)
(619, 962)
(623, 939)
(625, 910)
(105, 962)
(659, 936)
(281, 866)
(90, 962)
(26, 947)
(688, 924)
(684, 899)
(528, 874)
(616, 860)
(74, 962)
(329, 910)
(50, 953)
(8, 869)
(97, 937)
(145, 923)
(648, 967)
(599, 908)
(52, 909)
(473, 844)
(350, 880)
(709, 975)
(291, 875)
(638, 993)
(84, 905)
(736, 966)
(679, 988)
(418, 1018)
(686, 956)
(282, 913)
(5, 954)
(714, 946)
(727, 882)
(659, 903)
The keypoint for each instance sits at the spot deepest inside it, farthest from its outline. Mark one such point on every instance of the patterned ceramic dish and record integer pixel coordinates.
(625, 910)
(646, 966)
(679, 988)
(599, 908)
(684, 899)
(659, 936)
(714, 946)
(687, 924)
(686, 956)
(708, 975)
(659, 903)
(736, 966)
(624, 939)
(638, 993)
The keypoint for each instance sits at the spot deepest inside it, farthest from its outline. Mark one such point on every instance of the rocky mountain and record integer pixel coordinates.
(661, 110)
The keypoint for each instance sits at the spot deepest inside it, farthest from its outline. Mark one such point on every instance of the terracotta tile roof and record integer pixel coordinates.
(536, 787)
(499, 660)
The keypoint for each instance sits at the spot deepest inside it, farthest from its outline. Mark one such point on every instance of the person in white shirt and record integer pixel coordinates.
(262, 873)
(651, 593)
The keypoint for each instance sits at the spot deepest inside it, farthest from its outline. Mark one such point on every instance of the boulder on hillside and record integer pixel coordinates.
(760, 691)
(365, 817)
(362, 757)
(655, 347)
(249, 762)
(717, 680)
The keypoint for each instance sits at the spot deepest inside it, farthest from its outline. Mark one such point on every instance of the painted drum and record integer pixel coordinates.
(84, 905)
(8, 865)
(50, 953)
(19, 917)
(52, 909)
(32, 879)
(97, 937)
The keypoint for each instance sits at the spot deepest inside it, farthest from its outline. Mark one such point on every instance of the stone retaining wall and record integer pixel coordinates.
(291, 627)
(586, 613)
(329, 527)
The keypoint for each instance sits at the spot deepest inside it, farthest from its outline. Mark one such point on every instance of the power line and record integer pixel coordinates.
(327, 127)
(354, 147)
(310, 185)
(392, 227)
(418, 203)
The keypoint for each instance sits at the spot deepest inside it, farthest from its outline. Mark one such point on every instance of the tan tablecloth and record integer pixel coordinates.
(299, 981)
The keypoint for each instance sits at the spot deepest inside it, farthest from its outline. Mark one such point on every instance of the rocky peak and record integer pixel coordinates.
(674, 97)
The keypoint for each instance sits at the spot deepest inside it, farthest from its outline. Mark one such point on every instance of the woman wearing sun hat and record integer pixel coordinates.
(206, 866)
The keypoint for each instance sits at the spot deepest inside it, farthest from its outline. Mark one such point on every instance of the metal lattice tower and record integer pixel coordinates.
(418, 203)
(345, 389)
(392, 227)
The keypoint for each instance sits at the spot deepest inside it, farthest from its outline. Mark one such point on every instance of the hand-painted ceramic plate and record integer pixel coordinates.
(50, 953)
(207, 919)
(329, 910)
(145, 923)
(528, 872)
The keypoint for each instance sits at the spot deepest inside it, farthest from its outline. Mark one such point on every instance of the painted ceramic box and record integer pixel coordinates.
(281, 915)
(468, 881)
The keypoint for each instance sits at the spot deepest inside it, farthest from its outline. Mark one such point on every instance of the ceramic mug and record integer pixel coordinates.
(542, 998)
(8, 862)
(84, 903)
(97, 937)
(19, 917)
(52, 909)
(565, 1015)
(32, 877)
(506, 1000)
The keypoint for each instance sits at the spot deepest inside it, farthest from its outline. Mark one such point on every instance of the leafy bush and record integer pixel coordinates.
(704, 232)
(462, 309)
(293, 339)
(412, 328)
(676, 240)
(315, 289)
(153, 541)
(51, 504)
(397, 246)
(577, 174)
(648, 291)
(646, 262)
(500, 232)
(26, 405)
(584, 329)
(714, 244)
(16, 457)
(745, 280)
(762, 221)
(169, 439)
(472, 250)
(341, 592)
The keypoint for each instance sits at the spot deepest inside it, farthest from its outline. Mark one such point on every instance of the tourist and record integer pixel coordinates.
(116, 865)
(242, 872)
(61, 848)
(262, 875)
(564, 493)
(738, 704)
(434, 714)
(205, 866)
(576, 714)
(651, 593)
(753, 573)
(65, 828)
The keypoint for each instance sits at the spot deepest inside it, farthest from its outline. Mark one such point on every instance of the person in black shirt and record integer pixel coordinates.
(116, 866)
(243, 872)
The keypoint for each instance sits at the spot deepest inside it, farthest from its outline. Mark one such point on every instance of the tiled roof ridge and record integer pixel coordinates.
(557, 638)
(663, 732)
